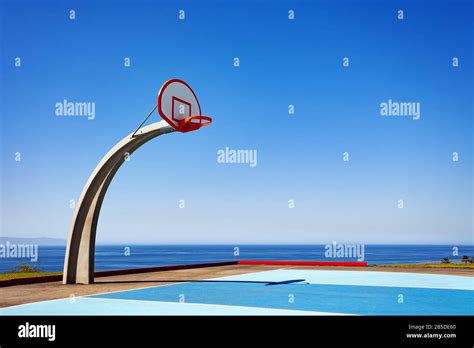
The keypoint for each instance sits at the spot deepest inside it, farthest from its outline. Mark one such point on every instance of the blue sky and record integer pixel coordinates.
(282, 62)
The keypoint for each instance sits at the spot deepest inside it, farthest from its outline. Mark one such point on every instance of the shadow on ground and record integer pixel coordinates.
(284, 282)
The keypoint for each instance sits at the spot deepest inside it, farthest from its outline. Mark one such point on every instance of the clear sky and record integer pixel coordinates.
(300, 156)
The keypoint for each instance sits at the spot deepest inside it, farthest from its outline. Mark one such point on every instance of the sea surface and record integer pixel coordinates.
(110, 257)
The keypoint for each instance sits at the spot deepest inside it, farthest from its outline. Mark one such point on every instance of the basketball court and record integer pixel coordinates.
(264, 290)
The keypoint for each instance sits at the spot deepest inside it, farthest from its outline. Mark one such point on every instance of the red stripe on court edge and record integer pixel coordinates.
(304, 263)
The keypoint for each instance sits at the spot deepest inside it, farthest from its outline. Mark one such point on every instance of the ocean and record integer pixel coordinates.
(110, 257)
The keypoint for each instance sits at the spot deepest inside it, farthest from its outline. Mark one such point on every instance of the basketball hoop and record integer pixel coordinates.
(179, 106)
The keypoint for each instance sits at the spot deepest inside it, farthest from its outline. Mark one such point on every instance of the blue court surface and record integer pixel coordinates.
(280, 292)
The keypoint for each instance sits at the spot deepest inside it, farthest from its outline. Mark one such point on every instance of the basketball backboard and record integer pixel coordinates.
(179, 106)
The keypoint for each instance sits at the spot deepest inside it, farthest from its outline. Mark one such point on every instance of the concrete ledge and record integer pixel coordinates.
(31, 280)
(59, 277)
(161, 268)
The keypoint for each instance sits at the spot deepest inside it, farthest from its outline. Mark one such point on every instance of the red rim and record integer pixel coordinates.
(200, 118)
(186, 125)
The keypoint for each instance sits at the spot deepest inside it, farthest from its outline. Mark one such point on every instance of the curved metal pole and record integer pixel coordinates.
(79, 260)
